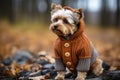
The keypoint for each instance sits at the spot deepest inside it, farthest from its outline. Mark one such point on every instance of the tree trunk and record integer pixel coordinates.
(6, 10)
(117, 22)
(105, 15)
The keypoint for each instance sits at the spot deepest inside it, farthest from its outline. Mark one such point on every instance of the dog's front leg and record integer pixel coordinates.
(59, 66)
(81, 76)
(60, 75)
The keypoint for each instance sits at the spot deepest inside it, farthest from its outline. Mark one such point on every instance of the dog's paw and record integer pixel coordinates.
(97, 67)
(98, 71)
(80, 78)
(59, 77)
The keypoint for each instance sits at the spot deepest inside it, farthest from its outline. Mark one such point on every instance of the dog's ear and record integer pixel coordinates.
(80, 12)
(78, 15)
(55, 7)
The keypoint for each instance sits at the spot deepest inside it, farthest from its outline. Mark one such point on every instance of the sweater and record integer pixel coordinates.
(75, 53)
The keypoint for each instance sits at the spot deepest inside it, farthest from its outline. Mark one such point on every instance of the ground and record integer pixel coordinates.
(36, 39)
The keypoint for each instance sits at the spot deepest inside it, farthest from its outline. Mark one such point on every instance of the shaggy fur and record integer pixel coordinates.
(65, 23)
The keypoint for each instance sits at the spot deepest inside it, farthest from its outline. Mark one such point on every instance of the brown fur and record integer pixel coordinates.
(66, 29)
(97, 67)
(78, 11)
(55, 7)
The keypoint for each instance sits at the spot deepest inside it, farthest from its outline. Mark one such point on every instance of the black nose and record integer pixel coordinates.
(55, 26)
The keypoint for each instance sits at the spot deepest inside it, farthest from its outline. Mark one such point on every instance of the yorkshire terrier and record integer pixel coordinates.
(73, 49)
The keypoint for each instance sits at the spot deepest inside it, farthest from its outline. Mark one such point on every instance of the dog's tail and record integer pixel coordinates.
(108, 67)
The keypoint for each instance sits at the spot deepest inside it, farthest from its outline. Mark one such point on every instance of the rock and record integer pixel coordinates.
(22, 73)
(7, 78)
(106, 66)
(45, 71)
(43, 68)
(48, 66)
(42, 62)
(7, 61)
(112, 75)
(47, 76)
(2, 67)
(34, 74)
(53, 73)
(73, 76)
(68, 75)
(36, 67)
(90, 75)
(22, 57)
(26, 76)
(98, 78)
(1, 70)
(37, 78)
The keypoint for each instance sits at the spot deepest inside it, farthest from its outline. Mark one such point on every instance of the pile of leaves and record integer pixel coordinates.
(27, 53)
(24, 65)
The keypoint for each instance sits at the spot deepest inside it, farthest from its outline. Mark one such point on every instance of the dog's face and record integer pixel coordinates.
(64, 20)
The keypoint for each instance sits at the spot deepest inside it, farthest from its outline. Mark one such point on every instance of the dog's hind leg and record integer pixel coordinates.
(97, 68)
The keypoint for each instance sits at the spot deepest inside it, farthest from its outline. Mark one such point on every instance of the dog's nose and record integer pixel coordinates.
(55, 26)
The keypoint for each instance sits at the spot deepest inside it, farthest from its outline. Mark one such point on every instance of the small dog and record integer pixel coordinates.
(73, 50)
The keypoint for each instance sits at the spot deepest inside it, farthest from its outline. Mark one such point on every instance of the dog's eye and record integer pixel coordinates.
(65, 21)
(55, 20)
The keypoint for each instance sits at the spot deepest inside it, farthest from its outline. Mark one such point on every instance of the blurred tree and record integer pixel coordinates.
(105, 14)
(6, 10)
(117, 21)
(15, 10)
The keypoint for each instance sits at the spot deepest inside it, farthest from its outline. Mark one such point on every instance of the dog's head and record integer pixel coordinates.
(65, 20)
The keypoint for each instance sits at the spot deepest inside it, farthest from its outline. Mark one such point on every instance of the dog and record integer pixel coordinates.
(73, 50)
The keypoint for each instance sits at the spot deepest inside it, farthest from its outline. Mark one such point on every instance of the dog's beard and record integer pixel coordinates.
(57, 32)
(64, 35)
(64, 30)
(60, 33)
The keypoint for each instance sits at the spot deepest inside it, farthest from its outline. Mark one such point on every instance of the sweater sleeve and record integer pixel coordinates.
(57, 55)
(57, 49)
(83, 65)
(59, 66)
(84, 58)
(94, 54)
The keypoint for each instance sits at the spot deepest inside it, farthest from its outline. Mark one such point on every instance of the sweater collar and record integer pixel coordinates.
(77, 33)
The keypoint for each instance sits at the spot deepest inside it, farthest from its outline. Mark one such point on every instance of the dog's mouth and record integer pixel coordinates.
(58, 32)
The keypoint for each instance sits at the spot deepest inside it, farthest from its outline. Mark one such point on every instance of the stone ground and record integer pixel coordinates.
(24, 66)
(28, 54)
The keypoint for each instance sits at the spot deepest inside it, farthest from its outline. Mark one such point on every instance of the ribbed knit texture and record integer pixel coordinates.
(94, 54)
(79, 48)
(83, 65)
(59, 66)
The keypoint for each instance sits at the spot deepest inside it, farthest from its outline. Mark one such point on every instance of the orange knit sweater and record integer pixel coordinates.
(70, 51)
